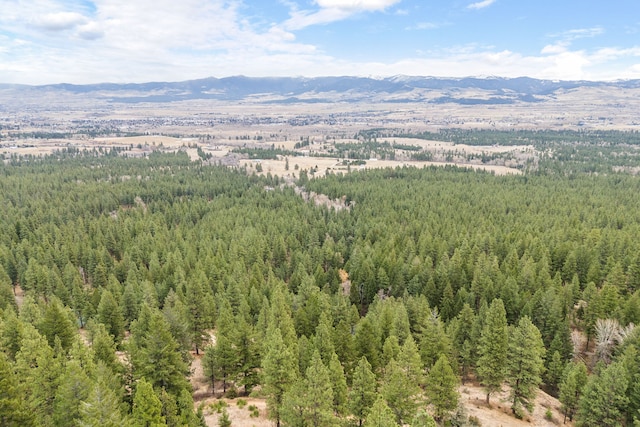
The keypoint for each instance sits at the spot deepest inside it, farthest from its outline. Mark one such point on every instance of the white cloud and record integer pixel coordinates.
(579, 33)
(165, 40)
(553, 49)
(425, 26)
(90, 31)
(356, 5)
(59, 21)
(302, 19)
(481, 4)
(332, 11)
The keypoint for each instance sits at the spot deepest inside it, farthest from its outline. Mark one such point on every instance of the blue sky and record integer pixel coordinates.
(93, 41)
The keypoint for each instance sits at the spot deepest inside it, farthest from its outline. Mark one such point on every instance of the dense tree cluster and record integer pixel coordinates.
(130, 267)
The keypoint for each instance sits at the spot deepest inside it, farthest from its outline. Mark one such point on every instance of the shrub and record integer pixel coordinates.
(548, 415)
(218, 405)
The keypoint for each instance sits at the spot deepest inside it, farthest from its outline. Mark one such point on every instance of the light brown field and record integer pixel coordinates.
(220, 126)
(325, 165)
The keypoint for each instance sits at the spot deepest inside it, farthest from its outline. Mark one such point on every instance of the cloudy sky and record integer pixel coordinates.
(92, 41)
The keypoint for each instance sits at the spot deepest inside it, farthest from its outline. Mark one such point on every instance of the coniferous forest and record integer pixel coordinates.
(116, 272)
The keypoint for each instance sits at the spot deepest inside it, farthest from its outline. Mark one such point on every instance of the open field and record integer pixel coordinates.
(40, 125)
(326, 165)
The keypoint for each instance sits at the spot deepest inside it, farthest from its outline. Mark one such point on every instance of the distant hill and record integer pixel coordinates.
(468, 91)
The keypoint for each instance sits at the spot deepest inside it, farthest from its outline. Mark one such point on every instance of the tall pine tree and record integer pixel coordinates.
(363, 390)
(493, 347)
(525, 364)
(278, 372)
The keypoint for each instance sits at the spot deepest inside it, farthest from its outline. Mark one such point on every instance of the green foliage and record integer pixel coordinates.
(423, 419)
(110, 315)
(218, 405)
(223, 419)
(493, 348)
(604, 399)
(525, 365)
(441, 388)
(74, 387)
(56, 323)
(155, 356)
(400, 391)
(225, 352)
(147, 407)
(310, 402)
(363, 390)
(574, 379)
(278, 373)
(159, 248)
(102, 408)
(338, 385)
(209, 366)
(380, 415)
(13, 411)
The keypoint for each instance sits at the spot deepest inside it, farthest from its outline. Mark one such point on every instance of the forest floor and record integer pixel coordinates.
(240, 415)
(472, 396)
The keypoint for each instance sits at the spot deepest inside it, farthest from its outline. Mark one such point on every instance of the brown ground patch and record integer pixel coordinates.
(473, 397)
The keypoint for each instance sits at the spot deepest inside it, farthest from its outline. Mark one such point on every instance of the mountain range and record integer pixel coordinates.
(397, 89)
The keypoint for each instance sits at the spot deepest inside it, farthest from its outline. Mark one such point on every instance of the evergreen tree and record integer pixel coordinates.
(209, 366)
(525, 364)
(39, 371)
(345, 346)
(186, 414)
(319, 394)
(400, 392)
(13, 410)
(104, 349)
(574, 379)
(56, 322)
(367, 343)
(195, 303)
(155, 355)
(223, 419)
(169, 409)
(278, 373)
(74, 386)
(434, 341)
(553, 374)
(11, 332)
(225, 351)
(7, 297)
(323, 339)
(410, 361)
(630, 358)
(441, 388)
(110, 315)
(604, 399)
(338, 384)
(147, 408)
(380, 415)
(293, 410)
(176, 314)
(493, 347)
(363, 390)
(463, 339)
(248, 353)
(101, 409)
(390, 349)
(423, 419)
(130, 299)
